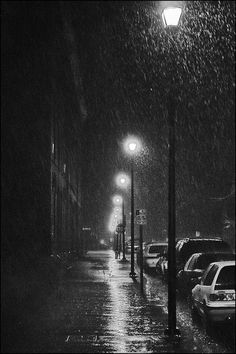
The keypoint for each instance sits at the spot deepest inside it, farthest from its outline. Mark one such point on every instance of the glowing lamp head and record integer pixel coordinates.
(117, 200)
(122, 180)
(117, 210)
(132, 145)
(171, 16)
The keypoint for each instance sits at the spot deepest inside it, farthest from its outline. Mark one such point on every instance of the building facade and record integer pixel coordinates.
(42, 133)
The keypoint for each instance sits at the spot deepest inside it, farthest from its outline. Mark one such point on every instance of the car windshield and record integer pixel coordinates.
(204, 260)
(195, 246)
(157, 249)
(226, 278)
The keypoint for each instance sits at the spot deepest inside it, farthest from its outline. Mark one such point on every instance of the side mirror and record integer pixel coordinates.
(180, 273)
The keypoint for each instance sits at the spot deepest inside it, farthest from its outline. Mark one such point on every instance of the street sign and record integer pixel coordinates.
(141, 219)
(119, 228)
(140, 211)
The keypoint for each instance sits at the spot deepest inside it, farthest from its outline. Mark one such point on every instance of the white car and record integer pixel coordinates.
(214, 297)
(152, 252)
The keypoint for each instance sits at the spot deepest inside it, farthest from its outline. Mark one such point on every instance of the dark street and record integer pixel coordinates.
(117, 138)
(98, 308)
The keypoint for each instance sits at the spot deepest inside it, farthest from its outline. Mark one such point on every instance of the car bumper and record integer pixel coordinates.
(220, 314)
(151, 263)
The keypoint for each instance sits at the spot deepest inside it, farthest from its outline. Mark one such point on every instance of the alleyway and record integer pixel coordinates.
(99, 309)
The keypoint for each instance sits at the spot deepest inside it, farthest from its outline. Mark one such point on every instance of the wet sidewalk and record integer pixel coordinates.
(98, 308)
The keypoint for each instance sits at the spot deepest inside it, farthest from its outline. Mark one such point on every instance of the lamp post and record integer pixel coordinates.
(171, 14)
(132, 272)
(123, 230)
(117, 201)
(132, 146)
(122, 180)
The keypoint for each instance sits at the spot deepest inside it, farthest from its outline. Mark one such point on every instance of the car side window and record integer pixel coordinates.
(192, 263)
(186, 267)
(210, 275)
(226, 278)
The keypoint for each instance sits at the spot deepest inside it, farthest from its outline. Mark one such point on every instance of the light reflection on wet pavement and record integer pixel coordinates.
(98, 308)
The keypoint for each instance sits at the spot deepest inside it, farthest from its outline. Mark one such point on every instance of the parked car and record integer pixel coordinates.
(152, 252)
(213, 299)
(128, 246)
(195, 267)
(187, 246)
(162, 264)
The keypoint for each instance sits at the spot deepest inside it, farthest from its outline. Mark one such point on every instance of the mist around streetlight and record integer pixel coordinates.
(115, 219)
(122, 180)
(117, 210)
(112, 226)
(115, 216)
(117, 200)
(132, 145)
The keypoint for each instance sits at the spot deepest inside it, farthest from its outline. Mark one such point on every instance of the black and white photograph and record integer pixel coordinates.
(118, 176)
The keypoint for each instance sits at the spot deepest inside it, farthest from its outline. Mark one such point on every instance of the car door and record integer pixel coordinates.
(184, 274)
(205, 286)
(189, 268)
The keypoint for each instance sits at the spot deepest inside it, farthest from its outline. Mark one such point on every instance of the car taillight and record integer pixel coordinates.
(222, 297)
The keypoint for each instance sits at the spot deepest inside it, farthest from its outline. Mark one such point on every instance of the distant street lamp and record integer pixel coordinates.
(122, 180)
(171, 13)
(116, 213)
(117, 201)
(132, 146)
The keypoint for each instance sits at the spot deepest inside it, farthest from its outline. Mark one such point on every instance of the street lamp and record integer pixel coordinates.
(122, 180)
(171, 16)
(132, 146)
(118, 202)
(116, 213)
(171, 13)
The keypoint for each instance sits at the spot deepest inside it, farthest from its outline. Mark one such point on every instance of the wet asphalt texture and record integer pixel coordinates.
(98, 308)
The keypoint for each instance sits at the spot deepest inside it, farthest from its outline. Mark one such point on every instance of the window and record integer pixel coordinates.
(210, 275)
(192, 264)
(157, 249)
(203, 261)
(226, 278)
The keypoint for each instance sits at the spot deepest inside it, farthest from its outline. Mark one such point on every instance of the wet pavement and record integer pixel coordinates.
(98, 308)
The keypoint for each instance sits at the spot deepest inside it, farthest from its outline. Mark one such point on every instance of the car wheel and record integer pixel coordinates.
(207, 325)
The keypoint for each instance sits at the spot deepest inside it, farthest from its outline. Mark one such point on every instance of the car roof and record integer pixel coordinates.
(224, 263)
(211, 253)
(157, 244)
(197, 239)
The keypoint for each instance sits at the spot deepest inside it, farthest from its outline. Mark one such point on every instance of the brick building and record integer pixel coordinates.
(43, 112)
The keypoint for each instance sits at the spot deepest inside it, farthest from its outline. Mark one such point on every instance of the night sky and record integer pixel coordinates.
(129, 65)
